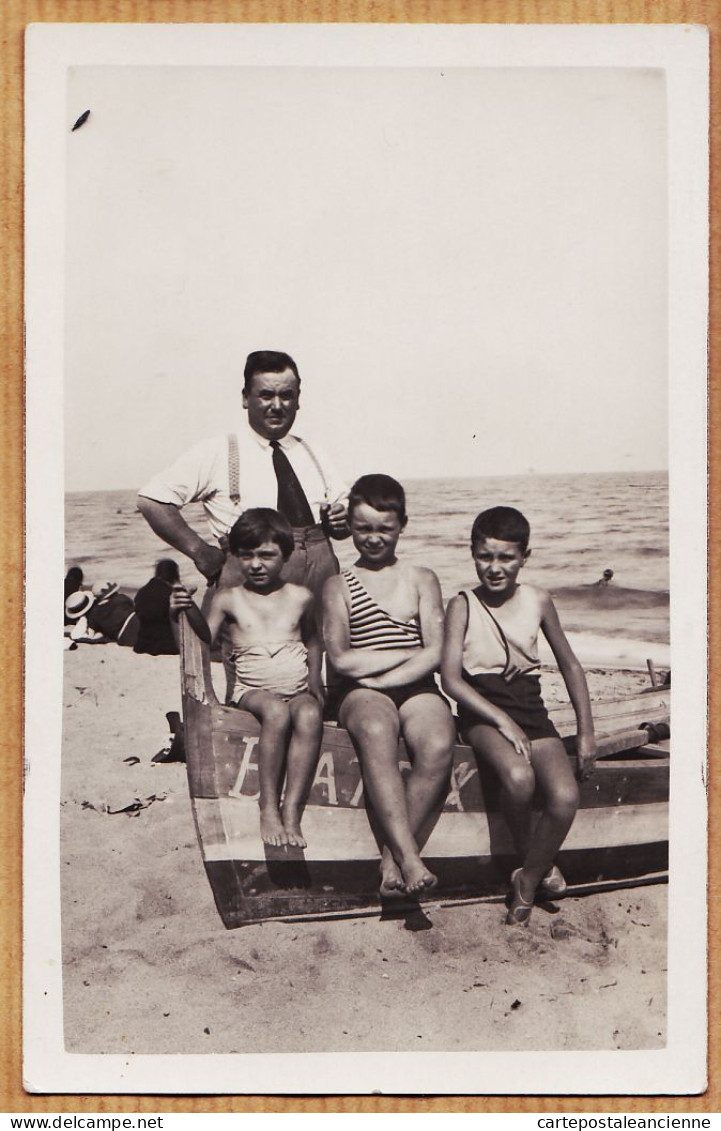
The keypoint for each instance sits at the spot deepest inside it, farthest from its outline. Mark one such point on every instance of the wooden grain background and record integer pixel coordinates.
(14, 15)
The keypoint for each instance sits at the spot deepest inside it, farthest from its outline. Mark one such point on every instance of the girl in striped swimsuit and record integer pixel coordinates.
(383, 628)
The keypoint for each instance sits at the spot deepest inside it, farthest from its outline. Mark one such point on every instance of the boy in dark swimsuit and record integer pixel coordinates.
(383, 628)
(490, 667)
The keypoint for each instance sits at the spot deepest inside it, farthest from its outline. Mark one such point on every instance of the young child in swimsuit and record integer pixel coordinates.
(490, 667)
(383, 628)
(276, 664)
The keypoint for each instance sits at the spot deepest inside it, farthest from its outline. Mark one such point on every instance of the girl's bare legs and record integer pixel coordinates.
(274, 718)
(373, 722)
(307, 722)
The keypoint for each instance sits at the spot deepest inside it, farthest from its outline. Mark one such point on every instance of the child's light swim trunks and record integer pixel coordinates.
(280, 667)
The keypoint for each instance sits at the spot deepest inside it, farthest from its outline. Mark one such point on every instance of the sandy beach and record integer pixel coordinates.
(149, 967)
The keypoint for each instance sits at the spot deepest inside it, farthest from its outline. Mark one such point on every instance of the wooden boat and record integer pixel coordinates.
(620, 831)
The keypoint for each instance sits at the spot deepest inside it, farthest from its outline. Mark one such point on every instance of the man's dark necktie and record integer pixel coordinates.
(292, 501)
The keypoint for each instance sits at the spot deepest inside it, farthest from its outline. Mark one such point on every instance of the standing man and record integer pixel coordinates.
(260, 465)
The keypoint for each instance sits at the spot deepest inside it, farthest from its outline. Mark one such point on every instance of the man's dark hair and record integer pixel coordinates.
(506, 524)
(167, 570)
(267, 361)
(259, 525)
(380, 492)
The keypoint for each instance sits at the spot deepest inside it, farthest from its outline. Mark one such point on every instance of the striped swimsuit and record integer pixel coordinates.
(372, 627)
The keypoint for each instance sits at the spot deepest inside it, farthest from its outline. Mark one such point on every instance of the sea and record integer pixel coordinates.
(581, 525)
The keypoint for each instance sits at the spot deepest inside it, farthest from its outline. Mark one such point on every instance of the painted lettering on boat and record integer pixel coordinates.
(325, 775)
(250, 743)
(337, 779)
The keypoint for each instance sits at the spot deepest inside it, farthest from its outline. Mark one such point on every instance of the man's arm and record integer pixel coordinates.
(168, 523)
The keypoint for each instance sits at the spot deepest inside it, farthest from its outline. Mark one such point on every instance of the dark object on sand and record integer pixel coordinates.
(113, 614)
(73, 582)
(606, 578)
(152, 604)
(176, 750)
(620, 832)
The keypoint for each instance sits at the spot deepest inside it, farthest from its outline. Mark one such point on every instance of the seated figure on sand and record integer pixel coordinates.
(152, 604)
(383, 628)
(276, 660)
(490, 667)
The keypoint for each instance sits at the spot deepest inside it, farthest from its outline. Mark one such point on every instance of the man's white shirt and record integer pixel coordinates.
(202, 474)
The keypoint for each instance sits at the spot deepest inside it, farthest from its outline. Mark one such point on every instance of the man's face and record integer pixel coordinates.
(271, 403)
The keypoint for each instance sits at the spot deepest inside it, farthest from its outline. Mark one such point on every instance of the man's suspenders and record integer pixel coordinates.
(234, 468)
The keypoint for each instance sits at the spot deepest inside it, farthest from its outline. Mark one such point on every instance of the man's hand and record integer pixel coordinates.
(209, 560)
(336, 521)
(517, 738)
(586, 755)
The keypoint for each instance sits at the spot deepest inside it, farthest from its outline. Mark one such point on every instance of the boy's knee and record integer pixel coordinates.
(276, 714)
(564, 799)
(308, 716)
(435, 755)
(520, 781)
(369, 729)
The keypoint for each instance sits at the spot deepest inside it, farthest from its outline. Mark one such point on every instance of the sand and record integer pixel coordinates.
(149, 967)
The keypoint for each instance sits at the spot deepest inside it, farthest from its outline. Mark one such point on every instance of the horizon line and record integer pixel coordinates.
(448, 478)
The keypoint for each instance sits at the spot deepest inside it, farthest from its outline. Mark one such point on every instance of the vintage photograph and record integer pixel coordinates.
(368, 464)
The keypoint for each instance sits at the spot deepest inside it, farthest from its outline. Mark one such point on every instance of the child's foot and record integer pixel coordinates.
(521, 905)
(392, 884)
(417, 877)
(271, 828)
(554, 883)
(291, 823)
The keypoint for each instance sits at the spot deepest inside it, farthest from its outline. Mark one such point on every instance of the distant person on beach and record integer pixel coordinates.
(383, 623)
(152, 604)
(276, 663)
(260, 464)
(77, 606)
(491, 668)
(113, 614)
(73, 582)
(605, 579)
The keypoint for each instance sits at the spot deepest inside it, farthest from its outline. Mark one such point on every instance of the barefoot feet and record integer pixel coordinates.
(417, 877)
(271, 828)
(392, 883)
(290, 814)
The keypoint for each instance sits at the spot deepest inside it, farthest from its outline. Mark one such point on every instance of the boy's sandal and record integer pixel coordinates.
(554, 883)
(520, 909)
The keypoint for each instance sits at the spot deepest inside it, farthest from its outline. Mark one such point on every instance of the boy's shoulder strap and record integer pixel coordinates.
(233, 468)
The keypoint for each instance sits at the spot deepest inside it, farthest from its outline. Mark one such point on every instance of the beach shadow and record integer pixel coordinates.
(286, 867)
(407, 909)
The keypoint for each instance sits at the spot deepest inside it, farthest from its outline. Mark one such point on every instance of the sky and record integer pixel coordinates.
(469, 266)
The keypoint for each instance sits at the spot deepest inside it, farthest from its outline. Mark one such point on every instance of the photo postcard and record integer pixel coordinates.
(366, 394)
